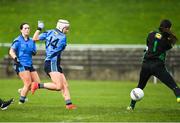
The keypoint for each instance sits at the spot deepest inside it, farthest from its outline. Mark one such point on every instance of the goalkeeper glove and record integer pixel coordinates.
(40, 25)
(16, 60)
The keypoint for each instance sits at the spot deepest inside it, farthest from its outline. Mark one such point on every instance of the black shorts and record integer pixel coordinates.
(20, 68)
(52, 66)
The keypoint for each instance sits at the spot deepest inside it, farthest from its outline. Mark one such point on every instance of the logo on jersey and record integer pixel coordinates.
(56, 33)
(158, 36)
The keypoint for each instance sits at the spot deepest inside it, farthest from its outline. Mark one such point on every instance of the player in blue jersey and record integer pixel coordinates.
(22, 49)
(55, 41)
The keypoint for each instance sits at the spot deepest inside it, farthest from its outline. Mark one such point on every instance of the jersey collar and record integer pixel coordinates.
(58, 31)
(23, 38)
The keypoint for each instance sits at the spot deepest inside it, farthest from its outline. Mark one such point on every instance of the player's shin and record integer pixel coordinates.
(132, 105)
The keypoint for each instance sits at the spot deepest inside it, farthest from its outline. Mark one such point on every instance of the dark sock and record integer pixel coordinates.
(41, 85)
(22, 99)
(176, 91)
(1, 102)
(68, 102)
(133, 103)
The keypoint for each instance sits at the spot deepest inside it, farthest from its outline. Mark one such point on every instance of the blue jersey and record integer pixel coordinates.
(55, 43)
(24, 50)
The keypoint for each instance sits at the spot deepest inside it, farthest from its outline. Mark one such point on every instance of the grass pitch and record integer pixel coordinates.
(92, 21)
(96, 100)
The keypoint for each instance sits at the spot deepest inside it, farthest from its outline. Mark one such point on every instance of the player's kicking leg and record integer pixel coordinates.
(58, 84)
(144, 76)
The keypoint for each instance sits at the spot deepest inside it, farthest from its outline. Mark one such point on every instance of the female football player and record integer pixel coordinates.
(22, 49)
(55, 41)
(158, 42)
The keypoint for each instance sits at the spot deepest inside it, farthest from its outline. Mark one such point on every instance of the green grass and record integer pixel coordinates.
(92, 21)
(96, 101)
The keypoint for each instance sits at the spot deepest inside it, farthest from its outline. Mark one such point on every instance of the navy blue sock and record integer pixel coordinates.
(41, 85)
(1, 102)
(68, 102)
(176, 91)
(22, 99)
(133, 103)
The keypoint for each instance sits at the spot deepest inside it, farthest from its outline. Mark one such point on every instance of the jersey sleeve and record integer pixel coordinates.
(15, 44)
(43, 36)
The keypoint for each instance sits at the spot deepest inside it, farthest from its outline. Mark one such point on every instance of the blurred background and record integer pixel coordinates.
(106, 39)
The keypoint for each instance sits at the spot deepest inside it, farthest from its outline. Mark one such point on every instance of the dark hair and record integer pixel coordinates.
(165, 23)
(164, 27)
(22, 24)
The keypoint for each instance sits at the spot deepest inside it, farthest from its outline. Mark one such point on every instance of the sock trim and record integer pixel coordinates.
(68, 102)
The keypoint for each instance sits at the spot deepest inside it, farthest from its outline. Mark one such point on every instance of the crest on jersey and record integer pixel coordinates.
(158, 36)
(56, 33)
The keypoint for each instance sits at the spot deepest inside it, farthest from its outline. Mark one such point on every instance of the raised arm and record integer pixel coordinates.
(36, 34)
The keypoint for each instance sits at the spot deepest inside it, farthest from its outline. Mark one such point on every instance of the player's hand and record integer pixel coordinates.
(40, 25)
(34, 53)
(16, 60)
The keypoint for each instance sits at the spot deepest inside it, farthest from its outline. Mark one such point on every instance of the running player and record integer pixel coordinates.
(55, 41)
(158, 42)
(22, 49)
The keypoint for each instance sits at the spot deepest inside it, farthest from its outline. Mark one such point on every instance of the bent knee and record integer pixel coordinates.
(58, 87)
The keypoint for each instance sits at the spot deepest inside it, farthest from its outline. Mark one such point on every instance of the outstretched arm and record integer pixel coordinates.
(36, 35)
